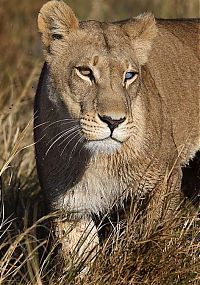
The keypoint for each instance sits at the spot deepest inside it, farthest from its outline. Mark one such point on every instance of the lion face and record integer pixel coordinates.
(98, 90)
(96, 70)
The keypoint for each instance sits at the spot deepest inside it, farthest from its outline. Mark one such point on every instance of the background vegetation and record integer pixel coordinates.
(171, 259)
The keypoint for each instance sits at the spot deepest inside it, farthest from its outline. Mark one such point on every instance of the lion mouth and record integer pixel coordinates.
(104, 129)
(107, 145)
(107, 139)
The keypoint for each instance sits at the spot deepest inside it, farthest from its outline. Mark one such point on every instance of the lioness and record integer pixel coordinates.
(116, 114)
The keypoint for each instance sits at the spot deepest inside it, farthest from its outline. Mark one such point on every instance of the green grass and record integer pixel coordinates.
(170, 256)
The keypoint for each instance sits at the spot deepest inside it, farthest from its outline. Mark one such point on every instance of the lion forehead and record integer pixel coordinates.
(105, 39)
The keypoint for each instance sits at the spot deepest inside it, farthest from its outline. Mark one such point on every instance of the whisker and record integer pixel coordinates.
(41, 124)
(75, 146)
(77, 134)
(75, 131)
(63, 131)
(62, 135)
(84, 140)
(67, 121)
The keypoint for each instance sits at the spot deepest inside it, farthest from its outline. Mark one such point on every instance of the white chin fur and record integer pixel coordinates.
(105, 146)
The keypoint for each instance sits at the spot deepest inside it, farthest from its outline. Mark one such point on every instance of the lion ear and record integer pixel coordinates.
(142, 30)
(55, 20)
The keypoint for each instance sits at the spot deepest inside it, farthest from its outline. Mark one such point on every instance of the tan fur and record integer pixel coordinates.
(161, 107)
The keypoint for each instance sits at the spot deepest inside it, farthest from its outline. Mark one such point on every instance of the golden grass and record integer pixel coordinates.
(169, 256)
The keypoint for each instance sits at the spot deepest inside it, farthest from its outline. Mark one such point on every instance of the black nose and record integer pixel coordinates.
(112, 124)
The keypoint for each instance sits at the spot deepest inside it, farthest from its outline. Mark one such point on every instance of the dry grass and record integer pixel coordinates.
(168, 256)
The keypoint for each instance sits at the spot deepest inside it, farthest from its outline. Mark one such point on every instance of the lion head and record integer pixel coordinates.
(96, 70)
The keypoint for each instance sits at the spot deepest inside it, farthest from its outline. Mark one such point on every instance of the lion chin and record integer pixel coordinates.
(106, 146)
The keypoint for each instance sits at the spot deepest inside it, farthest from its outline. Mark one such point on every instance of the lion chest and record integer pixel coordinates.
(97, 191)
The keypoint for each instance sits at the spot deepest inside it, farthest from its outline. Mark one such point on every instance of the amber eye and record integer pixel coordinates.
(86, 72)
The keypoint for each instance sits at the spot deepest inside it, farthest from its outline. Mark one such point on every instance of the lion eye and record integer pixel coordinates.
(87, 72)
(130, 75)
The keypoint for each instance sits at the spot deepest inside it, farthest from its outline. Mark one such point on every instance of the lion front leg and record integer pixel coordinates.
(79, 241)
